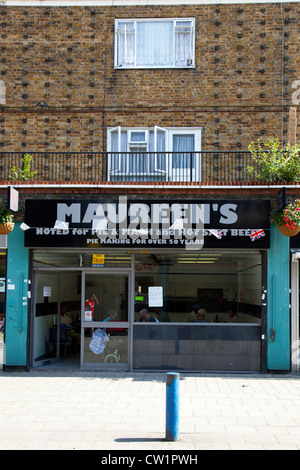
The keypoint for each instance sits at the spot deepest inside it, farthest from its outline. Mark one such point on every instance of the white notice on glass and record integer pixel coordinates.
(155, 296)
(47, 291)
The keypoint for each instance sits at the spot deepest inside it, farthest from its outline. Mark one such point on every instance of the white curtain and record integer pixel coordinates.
(158, 159)
(126, 44)
(183, 44)
(183, 144)
(154, 43)
(118, 161)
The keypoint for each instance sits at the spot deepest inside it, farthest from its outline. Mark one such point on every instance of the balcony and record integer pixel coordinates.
(156, 167)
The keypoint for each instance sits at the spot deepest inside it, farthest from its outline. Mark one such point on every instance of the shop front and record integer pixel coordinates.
(173, 285)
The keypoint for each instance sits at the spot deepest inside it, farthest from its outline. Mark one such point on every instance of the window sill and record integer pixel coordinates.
(157, 173)
(119, 67)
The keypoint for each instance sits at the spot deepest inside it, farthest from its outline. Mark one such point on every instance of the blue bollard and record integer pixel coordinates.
(172, 406)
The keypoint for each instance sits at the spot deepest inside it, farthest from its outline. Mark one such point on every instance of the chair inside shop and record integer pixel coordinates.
(64, 341)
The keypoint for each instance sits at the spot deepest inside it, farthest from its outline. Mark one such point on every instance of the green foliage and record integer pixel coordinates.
(275, 164)
(5, 214)
(24, 173)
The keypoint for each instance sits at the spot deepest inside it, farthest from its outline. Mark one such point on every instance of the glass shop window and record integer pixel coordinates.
(226, 288)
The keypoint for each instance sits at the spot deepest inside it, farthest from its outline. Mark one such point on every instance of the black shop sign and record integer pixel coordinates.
(125, 223)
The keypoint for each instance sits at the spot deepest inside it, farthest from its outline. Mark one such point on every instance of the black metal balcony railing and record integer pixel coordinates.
(100, 167)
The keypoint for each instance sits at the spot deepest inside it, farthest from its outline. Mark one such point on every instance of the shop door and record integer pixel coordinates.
(56, 319)
(105, 338)
(47, 337)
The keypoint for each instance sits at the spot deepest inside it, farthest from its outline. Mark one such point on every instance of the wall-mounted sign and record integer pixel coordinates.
(12, 199)
(98, 260)
(123, 223)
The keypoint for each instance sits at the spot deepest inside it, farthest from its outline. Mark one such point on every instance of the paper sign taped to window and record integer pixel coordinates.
(155, 296)
(47, 291)
(88, 315)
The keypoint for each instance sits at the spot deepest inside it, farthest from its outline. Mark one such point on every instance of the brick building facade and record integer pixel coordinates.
(58, 76)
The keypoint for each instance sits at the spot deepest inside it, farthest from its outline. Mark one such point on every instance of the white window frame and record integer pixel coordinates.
(169, 133)
(182, 175)
(119, 64)
(137, 145)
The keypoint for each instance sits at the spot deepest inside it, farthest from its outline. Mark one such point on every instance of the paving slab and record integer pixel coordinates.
(126, 411)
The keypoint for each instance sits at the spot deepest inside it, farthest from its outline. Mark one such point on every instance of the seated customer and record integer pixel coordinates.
(201, 316)
(66, 321)
(112, 317)
(146, 316)
(193, 313)
(234, 318)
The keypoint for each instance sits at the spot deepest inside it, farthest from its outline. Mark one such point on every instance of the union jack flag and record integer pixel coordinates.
(216, 233)
(256, 234)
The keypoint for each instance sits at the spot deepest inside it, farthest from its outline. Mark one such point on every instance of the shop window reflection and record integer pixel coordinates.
(110, 348)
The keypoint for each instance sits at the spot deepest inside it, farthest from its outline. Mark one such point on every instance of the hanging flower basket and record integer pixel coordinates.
(289, 232)
(6, 220)
(6, 228)
(288, 221)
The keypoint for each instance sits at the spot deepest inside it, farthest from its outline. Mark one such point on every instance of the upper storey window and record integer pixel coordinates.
(154, 43)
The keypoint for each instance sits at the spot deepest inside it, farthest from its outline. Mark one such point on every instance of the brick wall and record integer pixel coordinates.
(247, 58)
(151, 194)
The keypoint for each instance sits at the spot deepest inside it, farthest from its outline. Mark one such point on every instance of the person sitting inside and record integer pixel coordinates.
(66, 321)
(112, 317)
(201, 316)
(193, 313)
(234, 318)
(146, 316)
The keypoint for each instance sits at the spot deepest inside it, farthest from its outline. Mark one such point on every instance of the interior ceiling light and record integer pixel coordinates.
(195, 258)
(201, 254)
(117, 260)
(186, 256)
(188, 260)
(196, 262)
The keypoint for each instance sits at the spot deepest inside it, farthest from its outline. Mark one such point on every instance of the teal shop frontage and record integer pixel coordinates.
(278, 316)
(115, 284)
(18, 287)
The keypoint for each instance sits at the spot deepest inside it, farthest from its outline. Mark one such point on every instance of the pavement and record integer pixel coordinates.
(126, 411)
